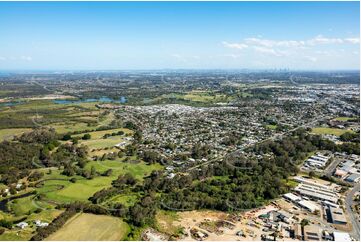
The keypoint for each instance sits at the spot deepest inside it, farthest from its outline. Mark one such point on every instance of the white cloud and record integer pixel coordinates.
(239, 46)
(186, 58)
(353, 40)
(311, 58)
(2, 58)
(281, 48)
(233, 56)
(273, 43)
(176, 56)
(319, 39)
(264, 50)
(26, 58)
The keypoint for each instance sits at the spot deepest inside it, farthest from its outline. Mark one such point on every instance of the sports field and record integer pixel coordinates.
(85, 227)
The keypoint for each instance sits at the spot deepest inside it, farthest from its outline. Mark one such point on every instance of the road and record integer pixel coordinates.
(39, 84)
(352, 215)
(331, 167)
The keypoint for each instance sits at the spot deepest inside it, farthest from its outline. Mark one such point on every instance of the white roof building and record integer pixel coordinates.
(292, 197)
(310, 206)
(317, 193)
(341, 236)
(22, 225)
(38, 223)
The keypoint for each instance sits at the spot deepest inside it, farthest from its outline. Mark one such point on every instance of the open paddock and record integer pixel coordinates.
(87, 227)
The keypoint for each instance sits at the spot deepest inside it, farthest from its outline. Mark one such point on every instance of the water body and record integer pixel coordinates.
(90, 100)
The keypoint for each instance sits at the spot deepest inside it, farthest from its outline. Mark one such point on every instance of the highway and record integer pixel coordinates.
(352, 215)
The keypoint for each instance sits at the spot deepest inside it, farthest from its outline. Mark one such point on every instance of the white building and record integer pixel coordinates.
(310, 206)
(292, 197)
(341, 236)
(38, 223)
(22, 225)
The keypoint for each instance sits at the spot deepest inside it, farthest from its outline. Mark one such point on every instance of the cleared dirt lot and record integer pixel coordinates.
(85, 227)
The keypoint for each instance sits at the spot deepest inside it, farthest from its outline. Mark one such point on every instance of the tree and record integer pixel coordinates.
(75, 140)
(304, 222)
(86, 137)
(108, 172)
(93, 172)
(66, 137)
(311, 174)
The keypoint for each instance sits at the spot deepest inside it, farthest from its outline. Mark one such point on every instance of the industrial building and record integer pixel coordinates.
(318, 161)
(292, 197)
(336, 215)
(353, 178)
(317, 192)
(310, 206)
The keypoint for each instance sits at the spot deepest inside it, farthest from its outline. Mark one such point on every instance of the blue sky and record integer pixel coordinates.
(196, 35)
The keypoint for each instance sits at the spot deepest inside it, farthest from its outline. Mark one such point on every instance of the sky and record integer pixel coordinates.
(179, 35)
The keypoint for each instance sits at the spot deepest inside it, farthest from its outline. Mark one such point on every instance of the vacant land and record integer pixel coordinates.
(165, 220)
(91, 227)
(334, 131)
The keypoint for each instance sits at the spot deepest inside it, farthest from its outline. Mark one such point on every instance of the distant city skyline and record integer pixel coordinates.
(179, 35)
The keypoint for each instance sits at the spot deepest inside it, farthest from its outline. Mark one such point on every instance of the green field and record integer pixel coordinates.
(125, 199)
(17, 235)
(197, 97)
(138, 170)
(85, 227)
(98, 142)
(334, 131)
(272, 127)
(70, 127)
(9, 133)
(344, 118)
(27, 233)
(83, 188)
(22, 206)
